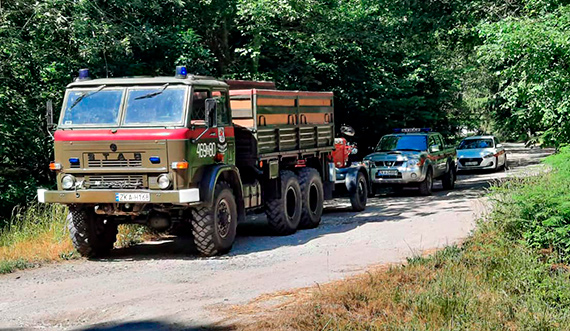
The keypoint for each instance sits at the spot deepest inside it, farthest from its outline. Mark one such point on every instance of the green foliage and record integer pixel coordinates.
(537, 209)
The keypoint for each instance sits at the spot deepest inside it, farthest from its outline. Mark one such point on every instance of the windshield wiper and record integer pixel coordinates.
(153, 94)
(85, 95)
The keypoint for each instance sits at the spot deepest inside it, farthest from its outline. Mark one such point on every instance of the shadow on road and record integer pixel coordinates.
(148, 326)
(254, 235)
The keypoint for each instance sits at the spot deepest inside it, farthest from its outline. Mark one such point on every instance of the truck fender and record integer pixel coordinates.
(352, 176)
(227, 173)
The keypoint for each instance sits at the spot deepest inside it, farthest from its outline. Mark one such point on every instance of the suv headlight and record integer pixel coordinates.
(163, 181)
(67, 182)
(414, 163)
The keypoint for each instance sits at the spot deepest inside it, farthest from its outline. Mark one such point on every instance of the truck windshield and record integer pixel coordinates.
(402, 143)
(92, 107)
(476, 143)
(157, 105)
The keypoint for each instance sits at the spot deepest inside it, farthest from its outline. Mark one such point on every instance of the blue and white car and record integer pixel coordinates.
(481, 152)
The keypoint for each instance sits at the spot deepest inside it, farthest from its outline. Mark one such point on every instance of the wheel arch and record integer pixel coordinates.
(352, 177)
(229, 174)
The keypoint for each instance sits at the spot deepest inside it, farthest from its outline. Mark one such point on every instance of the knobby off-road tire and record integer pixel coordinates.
(214, 228)
(359, 197)
(427, 185)
(312, 194)
(91, 236)
(284, 214)
(448, 180)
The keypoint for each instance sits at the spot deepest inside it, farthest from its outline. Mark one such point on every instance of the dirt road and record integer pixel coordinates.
(164, 284)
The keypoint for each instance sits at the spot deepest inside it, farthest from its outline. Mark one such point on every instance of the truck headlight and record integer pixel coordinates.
(163, 181)
(67, 182)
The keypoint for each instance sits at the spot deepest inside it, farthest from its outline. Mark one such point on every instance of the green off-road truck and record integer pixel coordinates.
(162, 150)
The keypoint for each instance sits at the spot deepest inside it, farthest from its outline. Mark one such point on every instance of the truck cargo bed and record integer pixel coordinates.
(270, 123)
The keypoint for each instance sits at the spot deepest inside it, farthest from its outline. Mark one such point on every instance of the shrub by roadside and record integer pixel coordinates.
(507, 275)
(39, 234)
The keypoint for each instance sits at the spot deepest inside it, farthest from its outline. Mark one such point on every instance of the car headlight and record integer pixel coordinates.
(163, 181)
(366, 163)
(67, 182)
(414, 162)
(488, 155)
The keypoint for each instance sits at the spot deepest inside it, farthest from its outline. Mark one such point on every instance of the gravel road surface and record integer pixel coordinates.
(165, 284)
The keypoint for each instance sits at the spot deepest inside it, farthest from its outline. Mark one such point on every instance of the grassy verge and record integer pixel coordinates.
(38, 234)
(508, 275)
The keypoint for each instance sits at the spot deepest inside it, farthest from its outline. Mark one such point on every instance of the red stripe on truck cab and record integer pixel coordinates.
(136, 134)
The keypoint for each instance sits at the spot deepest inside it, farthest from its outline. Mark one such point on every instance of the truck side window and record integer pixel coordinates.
(223, 109)
(199, 106)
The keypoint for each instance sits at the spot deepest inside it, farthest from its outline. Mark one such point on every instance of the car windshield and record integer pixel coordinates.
(92, 107)
(402, 143)
(476, 144)
(156, 105)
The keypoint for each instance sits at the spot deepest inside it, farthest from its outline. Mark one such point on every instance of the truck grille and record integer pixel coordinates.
(114, 160)
(389, 163)
(115, 181)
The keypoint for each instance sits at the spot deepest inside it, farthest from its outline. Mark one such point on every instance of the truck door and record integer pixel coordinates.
(225, 129)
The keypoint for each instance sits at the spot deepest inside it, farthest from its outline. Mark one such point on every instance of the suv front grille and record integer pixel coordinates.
(115, 181)
(389, 163)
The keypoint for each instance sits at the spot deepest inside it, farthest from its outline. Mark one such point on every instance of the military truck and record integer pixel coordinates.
(161, 150)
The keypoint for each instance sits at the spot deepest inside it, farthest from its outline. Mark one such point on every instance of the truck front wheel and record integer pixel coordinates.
(313, 197)
(214, 227)
(90, 234)
(284, 214)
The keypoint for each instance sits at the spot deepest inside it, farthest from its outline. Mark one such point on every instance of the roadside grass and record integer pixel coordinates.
(38, 234)
(509, 275)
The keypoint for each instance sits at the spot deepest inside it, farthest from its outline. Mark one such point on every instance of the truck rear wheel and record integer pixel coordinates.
(312, 194)
(90, 235)
(214, 227)
(359, 196)
(284, 214)
(427, 185)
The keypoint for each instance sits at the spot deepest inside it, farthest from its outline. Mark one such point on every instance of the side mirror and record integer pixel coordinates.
(49, 115)
(434, 149)
(211, 107)
(347, 130)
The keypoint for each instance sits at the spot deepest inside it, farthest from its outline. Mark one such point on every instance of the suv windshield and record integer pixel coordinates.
(402, 143)
(156, 105)
(476, 143)
(92, 107)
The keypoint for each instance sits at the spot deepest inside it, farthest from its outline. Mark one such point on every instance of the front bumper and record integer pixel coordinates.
(405, 175)
(188, 196)
(482, 163)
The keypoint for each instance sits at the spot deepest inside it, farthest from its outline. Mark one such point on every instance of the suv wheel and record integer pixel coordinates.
(427, 185)
(448, 180)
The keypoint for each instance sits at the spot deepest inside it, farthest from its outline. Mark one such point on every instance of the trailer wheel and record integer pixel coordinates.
(284, 214)
(312, 194)
(214, 227)
(90, 235)
(448, 180)
(359, 196)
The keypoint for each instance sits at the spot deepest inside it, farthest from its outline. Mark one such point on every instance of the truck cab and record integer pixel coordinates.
(412, 157)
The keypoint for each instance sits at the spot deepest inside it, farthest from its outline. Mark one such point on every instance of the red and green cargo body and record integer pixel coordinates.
(188, 149)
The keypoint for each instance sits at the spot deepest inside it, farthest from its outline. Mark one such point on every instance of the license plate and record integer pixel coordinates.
(471, 163)
(132, 197)
(387, 173)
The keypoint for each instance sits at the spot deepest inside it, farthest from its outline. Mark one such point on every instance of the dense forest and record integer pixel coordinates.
(457, 66)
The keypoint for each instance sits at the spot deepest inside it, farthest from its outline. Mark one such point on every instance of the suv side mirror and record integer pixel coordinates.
(211, 107)
(49, 115)
(434, 149)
